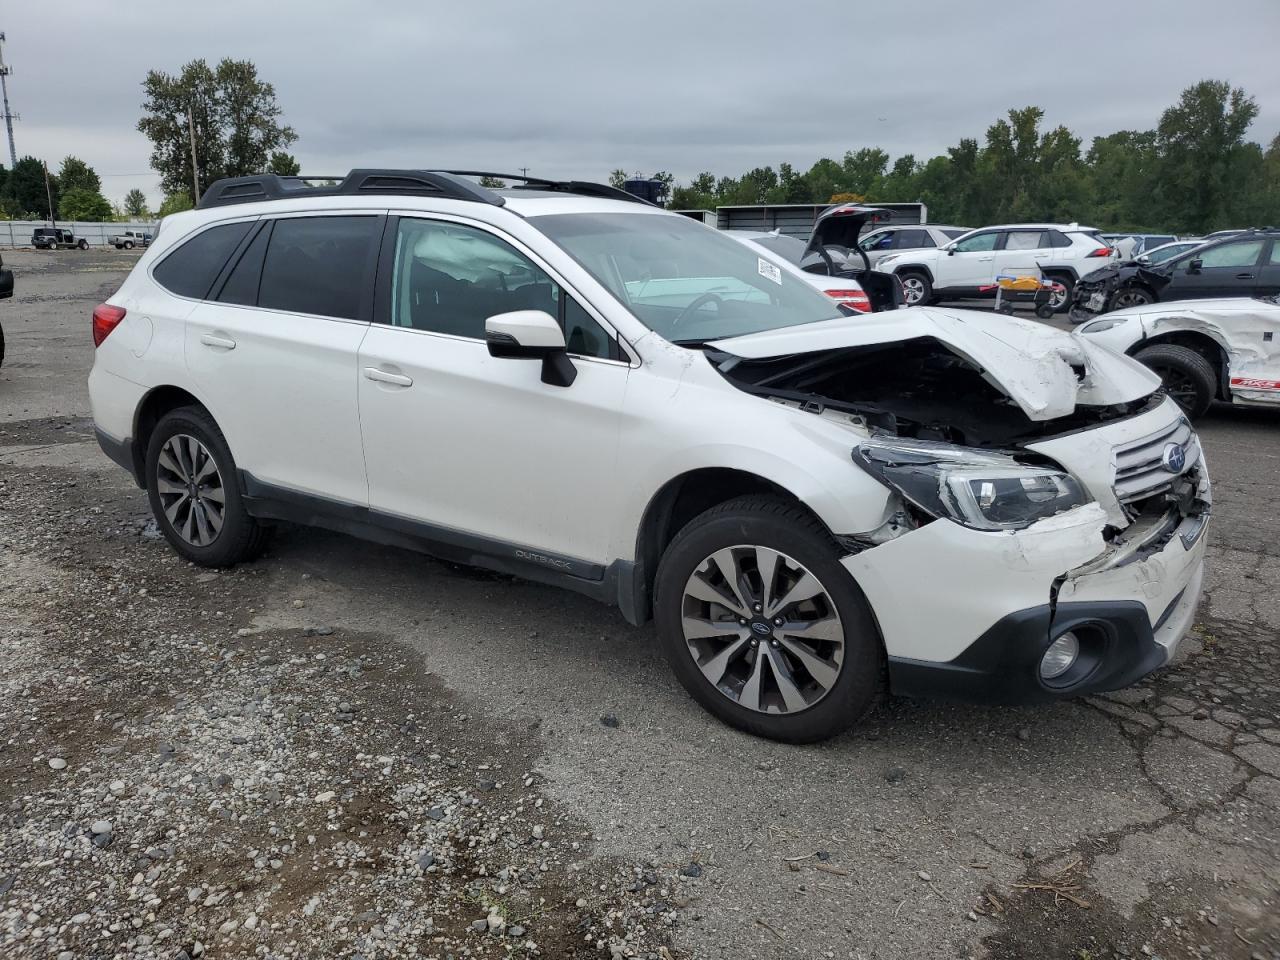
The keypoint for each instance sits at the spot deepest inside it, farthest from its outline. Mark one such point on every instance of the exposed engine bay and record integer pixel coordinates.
(917, 388)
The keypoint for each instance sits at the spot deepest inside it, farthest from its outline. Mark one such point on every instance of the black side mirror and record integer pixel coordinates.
(531, 334)
(1195, 266)
(951, 251)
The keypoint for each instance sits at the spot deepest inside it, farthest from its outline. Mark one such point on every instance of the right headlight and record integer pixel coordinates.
(977, 488)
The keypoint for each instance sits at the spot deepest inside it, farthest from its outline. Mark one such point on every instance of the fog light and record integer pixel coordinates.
(1060, 657)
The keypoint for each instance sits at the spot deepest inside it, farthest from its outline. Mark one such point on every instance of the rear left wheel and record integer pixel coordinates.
(763, 626)
(191, 483)
(1060, 300)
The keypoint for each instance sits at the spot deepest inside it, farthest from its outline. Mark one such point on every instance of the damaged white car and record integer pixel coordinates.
(562, 383)
(1204, 350)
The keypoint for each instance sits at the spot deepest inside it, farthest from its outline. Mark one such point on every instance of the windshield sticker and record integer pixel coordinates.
(770, 271)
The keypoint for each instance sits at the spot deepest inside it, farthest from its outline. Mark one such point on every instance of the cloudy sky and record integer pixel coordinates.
(580, 87)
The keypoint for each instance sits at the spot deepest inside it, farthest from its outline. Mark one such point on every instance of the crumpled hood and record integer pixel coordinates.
(1045, 371)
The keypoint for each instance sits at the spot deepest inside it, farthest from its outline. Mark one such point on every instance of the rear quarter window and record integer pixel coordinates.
(190, 269)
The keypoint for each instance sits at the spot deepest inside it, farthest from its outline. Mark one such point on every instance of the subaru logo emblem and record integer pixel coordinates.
(761, 628)
(1174, 458)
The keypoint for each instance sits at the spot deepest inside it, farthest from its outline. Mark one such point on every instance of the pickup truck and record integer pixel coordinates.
(130, 239)
(56, 238)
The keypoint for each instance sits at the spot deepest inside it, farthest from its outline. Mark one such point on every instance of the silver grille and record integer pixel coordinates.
(1140, 469)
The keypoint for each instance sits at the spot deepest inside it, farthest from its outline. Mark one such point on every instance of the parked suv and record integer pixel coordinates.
(563, 382)
(130, 239)
(967, 267)
(916, 236)
(56, 238)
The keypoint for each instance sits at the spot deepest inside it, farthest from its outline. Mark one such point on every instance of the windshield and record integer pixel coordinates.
(688, 283)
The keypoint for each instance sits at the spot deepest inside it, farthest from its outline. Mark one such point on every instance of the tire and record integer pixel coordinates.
(1062, 303)
(128, 244)
(820, 704)
(1188, 377)
(1131, 297)
(238, 536)
(1, 346)
(1044, 312)
(917, 290)
(83, 244)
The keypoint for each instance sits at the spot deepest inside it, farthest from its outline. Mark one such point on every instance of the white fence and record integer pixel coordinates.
(17, 233)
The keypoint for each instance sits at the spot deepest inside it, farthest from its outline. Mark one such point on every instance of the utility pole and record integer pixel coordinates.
(48, 195)
(195, 175)
(8, 117)
(524, 171)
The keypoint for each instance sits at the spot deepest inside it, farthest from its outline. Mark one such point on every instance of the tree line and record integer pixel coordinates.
(1194, 172)
(74, 189)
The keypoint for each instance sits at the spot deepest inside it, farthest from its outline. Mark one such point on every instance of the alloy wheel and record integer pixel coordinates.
(912, 290)
(763, 630)
(191, 490)
(1057, 298)
(1129, 298)
(1180, 385)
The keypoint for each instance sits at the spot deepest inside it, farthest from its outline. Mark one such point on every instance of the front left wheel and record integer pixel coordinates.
(763, 626)
(191, 483)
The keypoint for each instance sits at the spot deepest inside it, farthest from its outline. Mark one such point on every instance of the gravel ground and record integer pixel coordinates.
(349, 750)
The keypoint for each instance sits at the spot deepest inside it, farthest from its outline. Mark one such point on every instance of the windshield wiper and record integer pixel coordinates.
(693, 342)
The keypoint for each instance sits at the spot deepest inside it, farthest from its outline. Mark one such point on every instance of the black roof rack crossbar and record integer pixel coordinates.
(583, 188)
(453, 184)
(269, 186)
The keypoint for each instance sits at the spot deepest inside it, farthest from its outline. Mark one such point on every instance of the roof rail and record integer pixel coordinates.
(269, 186)
(583, 188)
(443, 183)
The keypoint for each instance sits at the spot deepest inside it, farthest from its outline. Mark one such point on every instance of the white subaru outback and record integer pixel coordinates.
(560, 382)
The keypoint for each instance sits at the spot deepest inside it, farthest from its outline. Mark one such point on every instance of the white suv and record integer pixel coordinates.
(564, 383)
(967, 267)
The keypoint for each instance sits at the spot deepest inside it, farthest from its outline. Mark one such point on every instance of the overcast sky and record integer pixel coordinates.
(580, 87)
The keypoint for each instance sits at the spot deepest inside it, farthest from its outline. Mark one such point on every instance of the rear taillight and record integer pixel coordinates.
(105, 319)
(857, 299)
(1102, 252)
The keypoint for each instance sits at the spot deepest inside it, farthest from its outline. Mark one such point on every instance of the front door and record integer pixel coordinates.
(273, 351)
(1229, 269)
(968, 264)
(473, 445)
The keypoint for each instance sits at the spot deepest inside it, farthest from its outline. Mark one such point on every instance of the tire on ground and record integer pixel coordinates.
(1069, 283)
(788, 528)
(241, 537)
(1185, 368)
(925, 286)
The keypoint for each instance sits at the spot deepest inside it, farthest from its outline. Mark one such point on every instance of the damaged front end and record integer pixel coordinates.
(1043, 535)
(1115, 287)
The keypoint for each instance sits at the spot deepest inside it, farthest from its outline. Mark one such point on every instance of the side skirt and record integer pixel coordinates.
(611, 585)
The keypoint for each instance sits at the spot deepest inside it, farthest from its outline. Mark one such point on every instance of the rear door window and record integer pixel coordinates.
(1243, 253)
(319, 265)
(241, 287)
(1025, 240)
(189, 271)
(913, 240)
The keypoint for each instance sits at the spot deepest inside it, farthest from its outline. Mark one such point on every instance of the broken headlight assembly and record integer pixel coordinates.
(976, 488)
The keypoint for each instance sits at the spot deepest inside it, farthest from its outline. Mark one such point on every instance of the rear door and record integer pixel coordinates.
(1228, 269)
(1022, 253)
(272, 350)
(1268, 284)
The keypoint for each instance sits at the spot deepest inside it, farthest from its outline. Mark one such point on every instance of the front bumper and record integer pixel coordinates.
(967, 614)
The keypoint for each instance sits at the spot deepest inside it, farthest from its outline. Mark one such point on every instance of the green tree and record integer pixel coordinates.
(75, 174)
(234, 114)
(1199, 147)
(176, 203)
(135, 204)
(25, 192)
(493, 183)
(863, 171)
(283, 164)
(618, 178)
(82, 204)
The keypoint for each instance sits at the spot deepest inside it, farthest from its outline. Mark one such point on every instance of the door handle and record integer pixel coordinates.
(1244, 276)
(382, 376)
(210, 340)
(984, 259)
